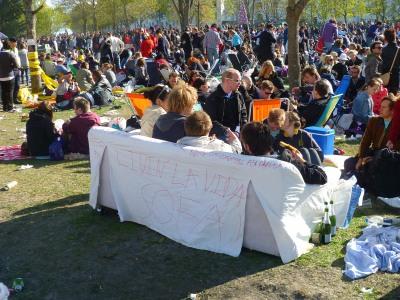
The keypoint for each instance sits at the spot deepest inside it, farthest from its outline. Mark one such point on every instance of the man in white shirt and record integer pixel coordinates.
(117, 45)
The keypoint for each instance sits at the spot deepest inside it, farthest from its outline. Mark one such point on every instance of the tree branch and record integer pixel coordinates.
(301, 4)
(177, 9)
(34, 12)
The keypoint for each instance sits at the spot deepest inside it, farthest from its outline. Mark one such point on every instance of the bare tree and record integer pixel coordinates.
(183, 9)
(31, 10)
(294, 11)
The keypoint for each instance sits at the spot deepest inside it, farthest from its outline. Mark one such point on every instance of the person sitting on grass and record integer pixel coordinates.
(141, 75)
(258, 141)
(173, 79)
(76, 129)
(66, 91)
(197, 129)
(264, 90)
(275, 121)
(309, 76)
(300, 139)
(40, 131)
(376, 136)
(159, 98)
(84, 77)
(101, 90)
(320, 97)
(170, 127)
(363, 104)
(109, 73)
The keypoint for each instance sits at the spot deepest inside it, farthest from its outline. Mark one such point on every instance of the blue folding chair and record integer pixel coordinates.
(342, 89)
(330, 107)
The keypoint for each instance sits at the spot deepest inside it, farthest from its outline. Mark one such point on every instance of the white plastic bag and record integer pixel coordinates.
(4, 292)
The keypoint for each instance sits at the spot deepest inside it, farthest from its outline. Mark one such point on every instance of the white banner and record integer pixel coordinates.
(198, 198)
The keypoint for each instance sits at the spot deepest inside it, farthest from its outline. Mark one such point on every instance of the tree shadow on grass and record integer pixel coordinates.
(393, 295)
(74, 253)
(39, 163)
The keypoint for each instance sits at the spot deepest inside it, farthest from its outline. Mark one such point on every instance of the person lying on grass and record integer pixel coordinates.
(258, 141)
(76, 129)
(197, 128)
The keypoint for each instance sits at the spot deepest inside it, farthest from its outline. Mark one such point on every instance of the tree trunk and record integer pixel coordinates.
(183, 8)
(293, 14)
(95, 27)
(126, 17)
(30, 18)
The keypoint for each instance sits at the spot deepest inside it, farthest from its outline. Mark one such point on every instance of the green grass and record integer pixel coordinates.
(63, 249)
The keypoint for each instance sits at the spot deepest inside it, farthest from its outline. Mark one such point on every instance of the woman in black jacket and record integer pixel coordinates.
(40, 130)
(388, 58)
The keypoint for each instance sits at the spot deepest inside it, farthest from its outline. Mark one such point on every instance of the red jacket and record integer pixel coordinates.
(377, 97)
(394, 132)
(146, 48)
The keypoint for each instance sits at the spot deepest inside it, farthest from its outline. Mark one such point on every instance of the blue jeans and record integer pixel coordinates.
(25, 75)
(17, 77)
(212, 55)
(327, 47)
(117, 60)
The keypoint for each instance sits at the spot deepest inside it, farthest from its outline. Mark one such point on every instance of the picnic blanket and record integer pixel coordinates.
(378, 249)
(11, 153)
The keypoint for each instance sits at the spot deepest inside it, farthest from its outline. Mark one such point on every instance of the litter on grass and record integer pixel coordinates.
(25, 167)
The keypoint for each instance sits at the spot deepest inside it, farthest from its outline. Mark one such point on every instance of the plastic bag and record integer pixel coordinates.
(4, 292)
(118, 123)
(56, 151)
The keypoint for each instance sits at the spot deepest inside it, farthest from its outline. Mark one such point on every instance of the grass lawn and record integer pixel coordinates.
(62, 249)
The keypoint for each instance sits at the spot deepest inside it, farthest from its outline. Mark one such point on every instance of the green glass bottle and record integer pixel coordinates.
(326, 228)
(332, 218)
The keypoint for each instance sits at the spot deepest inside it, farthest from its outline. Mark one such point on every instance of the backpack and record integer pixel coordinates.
(56, 151)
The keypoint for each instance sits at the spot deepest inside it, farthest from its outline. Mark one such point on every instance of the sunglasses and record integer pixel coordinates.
(237, 81)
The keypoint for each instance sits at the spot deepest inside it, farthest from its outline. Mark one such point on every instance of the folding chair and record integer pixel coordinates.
(342, 89)
(235, 62)
(260, 108)
(138, 103)
(243, 59)
(330, 107)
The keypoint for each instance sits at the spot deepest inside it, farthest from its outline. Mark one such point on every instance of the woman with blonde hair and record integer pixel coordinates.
(171, 126)
(267, 72)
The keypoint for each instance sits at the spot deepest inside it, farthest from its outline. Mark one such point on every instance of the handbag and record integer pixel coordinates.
(386, 76)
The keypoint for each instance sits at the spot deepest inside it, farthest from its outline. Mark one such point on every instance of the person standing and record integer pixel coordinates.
(329, 34)
(23, 56)
(372, 32)
(17, 70)
(186, 44)
(266, 48)
(391, 57)
(211, 43)
(8, 62)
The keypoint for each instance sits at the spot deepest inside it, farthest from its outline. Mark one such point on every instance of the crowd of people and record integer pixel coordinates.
(177, 70)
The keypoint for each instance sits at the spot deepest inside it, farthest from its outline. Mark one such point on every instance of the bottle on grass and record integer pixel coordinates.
(326, 228)
(332, 218)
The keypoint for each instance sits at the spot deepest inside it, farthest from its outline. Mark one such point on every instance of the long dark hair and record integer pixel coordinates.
(46, 108)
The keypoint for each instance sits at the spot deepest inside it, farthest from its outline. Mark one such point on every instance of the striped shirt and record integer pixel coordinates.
(211, 39)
